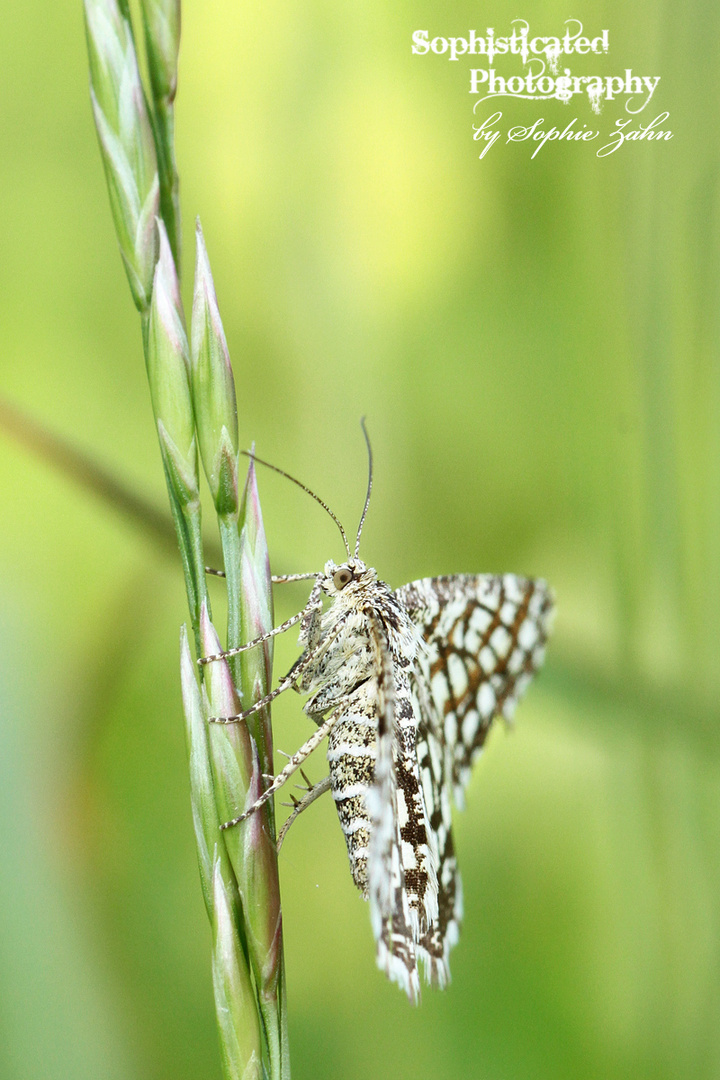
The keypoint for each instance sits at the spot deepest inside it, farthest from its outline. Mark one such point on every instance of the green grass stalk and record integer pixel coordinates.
(194, 403)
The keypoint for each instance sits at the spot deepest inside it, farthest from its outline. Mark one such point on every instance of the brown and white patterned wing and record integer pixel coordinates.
(435, 766)
(402, 865)
(485, 637)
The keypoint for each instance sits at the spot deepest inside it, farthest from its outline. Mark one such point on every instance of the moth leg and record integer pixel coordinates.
(312, 794)
(255, 642)
(305, 615)
(277, 579)
(292, 766)
(283, 579)
(284, 684)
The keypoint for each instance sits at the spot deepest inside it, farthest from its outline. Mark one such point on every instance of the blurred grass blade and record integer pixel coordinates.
(72, 462)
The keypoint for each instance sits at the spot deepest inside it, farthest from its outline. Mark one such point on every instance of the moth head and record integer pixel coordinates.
(337, 578)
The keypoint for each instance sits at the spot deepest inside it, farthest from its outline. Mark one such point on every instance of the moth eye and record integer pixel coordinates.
(341, 578)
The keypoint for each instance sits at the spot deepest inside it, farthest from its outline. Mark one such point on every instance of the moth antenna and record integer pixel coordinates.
(253, 456)
(369, 487)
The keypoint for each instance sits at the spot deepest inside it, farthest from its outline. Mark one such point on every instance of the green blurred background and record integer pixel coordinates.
(535, 346)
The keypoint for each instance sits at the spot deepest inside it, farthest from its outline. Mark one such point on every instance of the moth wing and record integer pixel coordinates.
(402, 864)
(442, 934)
(484, 639)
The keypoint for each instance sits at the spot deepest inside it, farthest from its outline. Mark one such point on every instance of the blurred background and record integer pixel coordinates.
(535, 346)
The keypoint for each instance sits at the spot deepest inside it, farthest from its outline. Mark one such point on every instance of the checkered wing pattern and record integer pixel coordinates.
(484, 638)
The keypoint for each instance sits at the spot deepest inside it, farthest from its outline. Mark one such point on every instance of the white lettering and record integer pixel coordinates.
(422, 44)
(484, 134)
(624, 134)
(477, 76)
(458, 46)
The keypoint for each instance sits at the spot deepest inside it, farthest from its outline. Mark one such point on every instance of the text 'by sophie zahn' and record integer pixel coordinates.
(539, 133)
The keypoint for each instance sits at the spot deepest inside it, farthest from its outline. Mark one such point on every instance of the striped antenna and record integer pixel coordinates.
(253, 456)
(369, 487)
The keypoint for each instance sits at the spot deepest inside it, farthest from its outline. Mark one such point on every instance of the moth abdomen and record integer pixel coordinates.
(351, 755)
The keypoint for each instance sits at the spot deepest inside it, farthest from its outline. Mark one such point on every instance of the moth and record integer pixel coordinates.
(404, 684)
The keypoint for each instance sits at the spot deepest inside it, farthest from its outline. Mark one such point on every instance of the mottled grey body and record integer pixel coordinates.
(352, 752)
(370, 631)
